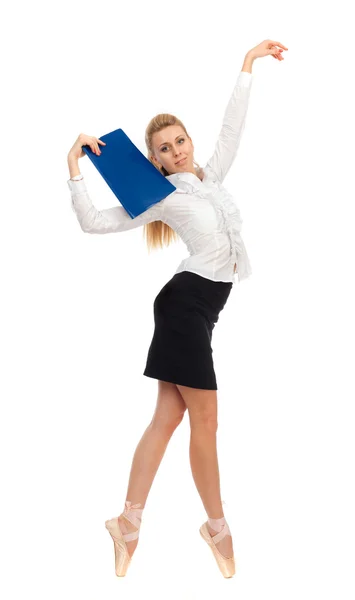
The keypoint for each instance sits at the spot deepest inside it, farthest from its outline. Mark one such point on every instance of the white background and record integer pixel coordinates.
(77, 309)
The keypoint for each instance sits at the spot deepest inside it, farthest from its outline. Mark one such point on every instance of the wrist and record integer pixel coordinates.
(72, 159)
(73, 164)
(248, 62)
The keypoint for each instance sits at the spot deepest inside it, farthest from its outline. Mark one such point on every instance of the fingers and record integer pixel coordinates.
(100, 142)
(95, 147)
(277, 56)
(93, 142)
(276, 53)
(278, 44)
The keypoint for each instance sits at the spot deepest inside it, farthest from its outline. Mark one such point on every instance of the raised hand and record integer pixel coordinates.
(266, 48)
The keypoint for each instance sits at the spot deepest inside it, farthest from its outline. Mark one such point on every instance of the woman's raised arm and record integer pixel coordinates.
(235, 114)
(233, 124)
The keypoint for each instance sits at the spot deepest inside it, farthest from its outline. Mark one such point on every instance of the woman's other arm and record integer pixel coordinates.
(109, 220)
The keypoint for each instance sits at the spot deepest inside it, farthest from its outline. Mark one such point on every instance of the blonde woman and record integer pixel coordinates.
(204, 215)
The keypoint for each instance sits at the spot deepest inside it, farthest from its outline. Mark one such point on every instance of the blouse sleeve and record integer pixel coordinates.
(232, 127)
(108, 220)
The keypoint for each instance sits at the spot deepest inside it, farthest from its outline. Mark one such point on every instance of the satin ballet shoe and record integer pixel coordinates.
(225, 565)
(133, 514)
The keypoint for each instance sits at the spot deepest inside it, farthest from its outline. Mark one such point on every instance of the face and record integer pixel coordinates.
(170, 146)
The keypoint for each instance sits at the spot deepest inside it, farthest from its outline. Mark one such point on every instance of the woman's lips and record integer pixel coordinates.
(181, 161)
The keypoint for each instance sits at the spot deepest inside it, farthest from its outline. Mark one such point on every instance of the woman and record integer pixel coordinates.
(187, 308)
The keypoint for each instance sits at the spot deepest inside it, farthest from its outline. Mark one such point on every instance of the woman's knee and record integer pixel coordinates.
(204, 423)
(170, 407)
(202, 407)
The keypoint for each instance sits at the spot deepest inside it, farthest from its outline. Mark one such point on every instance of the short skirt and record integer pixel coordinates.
(185, 313)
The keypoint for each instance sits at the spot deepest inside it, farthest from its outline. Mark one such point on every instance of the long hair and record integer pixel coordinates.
(157, 233)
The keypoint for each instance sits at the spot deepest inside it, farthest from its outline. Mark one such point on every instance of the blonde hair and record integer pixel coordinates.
(157, 233)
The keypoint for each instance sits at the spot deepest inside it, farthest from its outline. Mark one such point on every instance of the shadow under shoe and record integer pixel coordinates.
(133, 514)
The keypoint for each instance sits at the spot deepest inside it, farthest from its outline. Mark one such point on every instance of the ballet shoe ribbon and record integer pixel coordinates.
(129, 506)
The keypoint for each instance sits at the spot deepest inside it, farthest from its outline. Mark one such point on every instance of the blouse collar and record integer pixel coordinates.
(188, 181)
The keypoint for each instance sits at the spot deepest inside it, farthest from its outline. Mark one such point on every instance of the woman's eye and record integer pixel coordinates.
(180, 140)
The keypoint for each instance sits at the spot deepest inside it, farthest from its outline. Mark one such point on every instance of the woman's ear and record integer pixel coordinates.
(154, 160)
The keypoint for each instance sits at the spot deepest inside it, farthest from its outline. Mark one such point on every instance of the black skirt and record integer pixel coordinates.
(185, 313)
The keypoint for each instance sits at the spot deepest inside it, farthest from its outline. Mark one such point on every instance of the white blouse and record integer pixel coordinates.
(203, 213)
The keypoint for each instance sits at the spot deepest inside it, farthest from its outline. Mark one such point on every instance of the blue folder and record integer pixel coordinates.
(131, 176)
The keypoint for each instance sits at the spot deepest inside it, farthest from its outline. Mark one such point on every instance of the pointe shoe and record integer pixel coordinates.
(225, 565)
(122, 558)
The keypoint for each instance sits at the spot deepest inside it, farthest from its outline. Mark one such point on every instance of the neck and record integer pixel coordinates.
(198, 172)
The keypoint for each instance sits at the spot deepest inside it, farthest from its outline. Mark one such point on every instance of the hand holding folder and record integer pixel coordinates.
(134, 180)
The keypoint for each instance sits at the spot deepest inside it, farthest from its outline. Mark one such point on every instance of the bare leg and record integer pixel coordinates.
(202, 407)
(148, 455)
